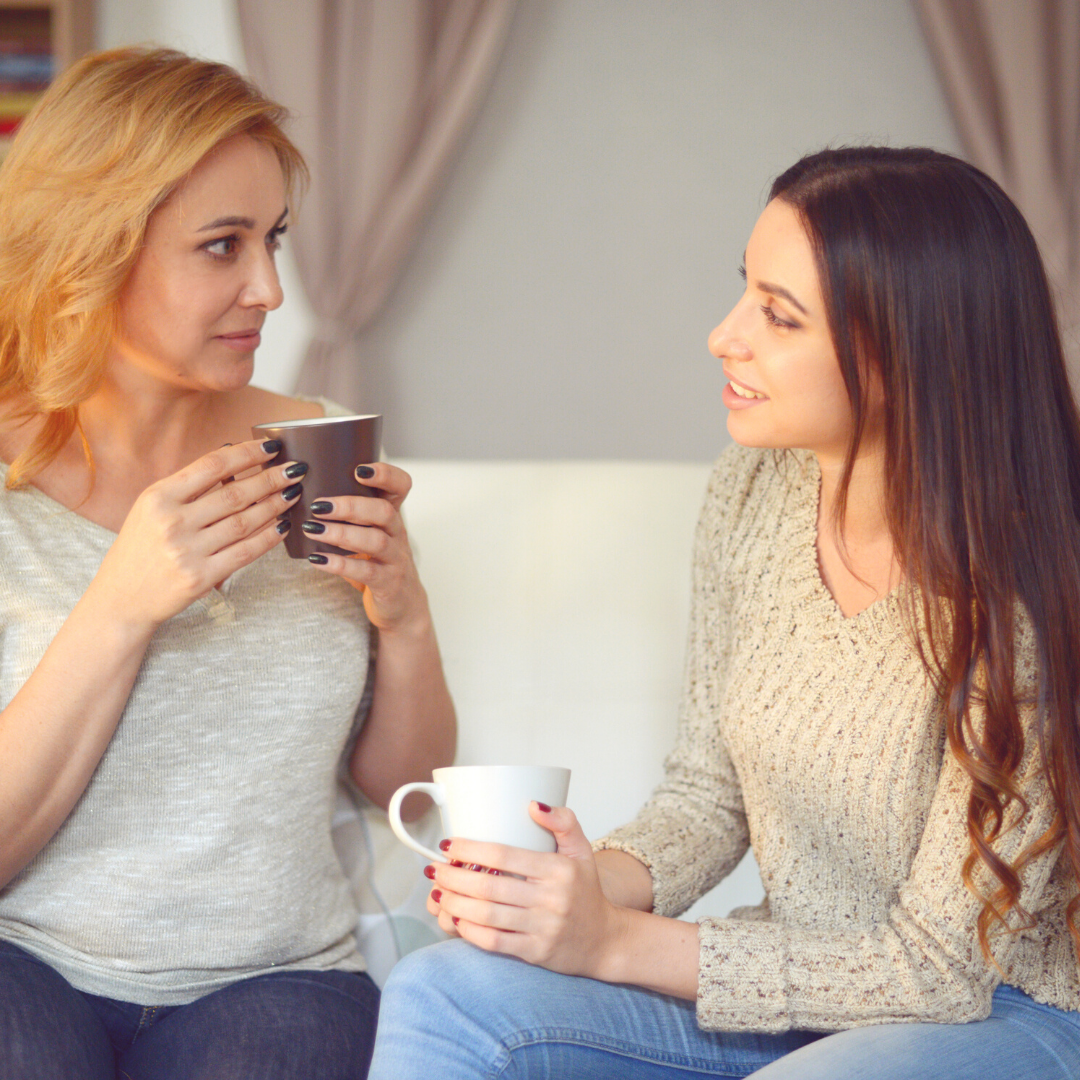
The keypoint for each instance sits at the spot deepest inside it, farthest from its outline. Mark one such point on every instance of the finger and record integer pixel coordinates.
(395, 483)
(202, 474)
(484, 913)
(280, 485)
(234, 556)
(371, 543)
(563, 823)
(510, 860)
(492, 886)
(377, 515)
(239, 526)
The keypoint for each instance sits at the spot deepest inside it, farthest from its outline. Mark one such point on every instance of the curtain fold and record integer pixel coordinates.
(1011, 73)
(382, 92)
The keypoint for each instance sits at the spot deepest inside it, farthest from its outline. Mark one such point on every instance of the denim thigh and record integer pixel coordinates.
(455, 1012)
(1019, 1040)
(287, 1025)
(47, 1028)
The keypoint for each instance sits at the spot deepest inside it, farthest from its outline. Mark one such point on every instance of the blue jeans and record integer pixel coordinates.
(455, 1012)
(289, 1025)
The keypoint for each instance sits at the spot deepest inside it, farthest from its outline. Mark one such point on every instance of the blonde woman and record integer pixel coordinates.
(177, 693)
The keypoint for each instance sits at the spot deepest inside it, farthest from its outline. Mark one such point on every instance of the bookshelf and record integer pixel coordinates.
(38, 39)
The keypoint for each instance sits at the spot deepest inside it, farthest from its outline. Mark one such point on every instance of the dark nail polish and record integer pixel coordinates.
(429, 872)
(544, 808)
(287, 515)
(444, 845)
(313, 528)
(272, 446)
(224, 444)
(322, 507)
(365, 472)
(283, 526)
(318, 560)
(296, 470)
(436, 895)
(292, 492)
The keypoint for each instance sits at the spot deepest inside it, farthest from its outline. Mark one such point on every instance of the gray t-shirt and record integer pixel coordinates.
(200, 852)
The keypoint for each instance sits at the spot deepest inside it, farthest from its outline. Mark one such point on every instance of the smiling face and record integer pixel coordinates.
(194, 303)
(786, 389)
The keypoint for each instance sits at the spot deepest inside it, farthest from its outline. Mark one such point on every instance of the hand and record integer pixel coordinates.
(557, 917)
(383, 567)
(190, 531)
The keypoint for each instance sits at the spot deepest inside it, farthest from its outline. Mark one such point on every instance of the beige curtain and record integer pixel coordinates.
(1011, 71)
(382, 92)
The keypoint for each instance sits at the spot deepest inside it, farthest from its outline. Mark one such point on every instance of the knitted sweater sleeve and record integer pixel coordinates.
(923, 963)
(692, 832)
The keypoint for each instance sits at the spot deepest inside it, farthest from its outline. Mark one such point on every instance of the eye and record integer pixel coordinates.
(223, 247)
(774, 320)
(273, 237)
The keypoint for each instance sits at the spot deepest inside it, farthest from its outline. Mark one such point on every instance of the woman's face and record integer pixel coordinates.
(785, 387)
(193, 306)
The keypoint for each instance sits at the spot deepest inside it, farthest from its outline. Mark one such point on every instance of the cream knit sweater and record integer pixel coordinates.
(818, 739)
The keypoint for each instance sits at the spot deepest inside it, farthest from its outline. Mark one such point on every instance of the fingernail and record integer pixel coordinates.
(544, 808)
(318, 560)
(322, 507)
(283, 526)
(292, 492)
(296, 470)
(436, 895)
(271, 446)
(444, 845)
(454, 919)
(365, 472)
(315, 528)
(429, 872)
(286, 515)
(224, 444)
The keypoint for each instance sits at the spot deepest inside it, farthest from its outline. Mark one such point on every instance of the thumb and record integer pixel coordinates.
(563, 824)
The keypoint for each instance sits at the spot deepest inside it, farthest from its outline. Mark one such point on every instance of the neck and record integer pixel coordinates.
(153, 432)
(864, 520)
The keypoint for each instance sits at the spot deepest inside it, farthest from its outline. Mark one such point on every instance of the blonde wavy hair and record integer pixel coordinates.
(103, 148)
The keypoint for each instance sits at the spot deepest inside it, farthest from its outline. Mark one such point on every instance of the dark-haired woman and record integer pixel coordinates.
(881, 696)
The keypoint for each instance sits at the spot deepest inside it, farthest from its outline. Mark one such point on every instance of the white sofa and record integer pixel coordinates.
(560, 592)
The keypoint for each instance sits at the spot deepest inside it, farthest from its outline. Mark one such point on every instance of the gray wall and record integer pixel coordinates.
(560, 298)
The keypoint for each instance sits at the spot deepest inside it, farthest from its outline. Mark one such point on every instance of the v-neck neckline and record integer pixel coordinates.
(876, 617)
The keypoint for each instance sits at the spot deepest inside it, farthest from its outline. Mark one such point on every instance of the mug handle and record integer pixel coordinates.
(394, 813)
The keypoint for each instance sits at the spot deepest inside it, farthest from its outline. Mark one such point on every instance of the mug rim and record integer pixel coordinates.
(317, 421)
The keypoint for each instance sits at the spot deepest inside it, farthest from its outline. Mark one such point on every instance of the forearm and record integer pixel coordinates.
(653, 952)
(626, 881)
(411, 727)
(55, 730)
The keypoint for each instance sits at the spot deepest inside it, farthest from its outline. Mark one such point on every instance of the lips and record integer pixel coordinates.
(744, 391)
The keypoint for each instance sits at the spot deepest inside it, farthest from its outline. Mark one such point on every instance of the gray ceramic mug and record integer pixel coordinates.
(332, 446)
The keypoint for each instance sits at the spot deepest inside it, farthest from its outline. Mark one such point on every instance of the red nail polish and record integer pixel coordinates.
(444, 845)
(454, 919)
(436, 895)
(429, 872)
(544, 808)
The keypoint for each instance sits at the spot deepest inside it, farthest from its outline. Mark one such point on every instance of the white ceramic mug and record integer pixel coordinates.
(487, 802)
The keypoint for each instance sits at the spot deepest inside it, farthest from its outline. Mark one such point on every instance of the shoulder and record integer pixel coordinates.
(748, 481)
(264, 407)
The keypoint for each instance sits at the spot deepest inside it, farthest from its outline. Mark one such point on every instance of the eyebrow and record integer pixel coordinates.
(239, 222)
(776, 290)
(779, 290)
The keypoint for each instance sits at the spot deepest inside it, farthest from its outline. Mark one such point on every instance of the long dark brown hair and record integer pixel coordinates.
(931, 278)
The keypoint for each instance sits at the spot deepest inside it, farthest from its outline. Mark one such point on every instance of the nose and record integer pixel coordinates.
(727, 342)
(263, 287)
